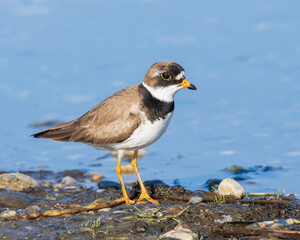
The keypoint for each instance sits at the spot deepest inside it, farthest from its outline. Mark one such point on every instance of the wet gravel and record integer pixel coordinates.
(205, 215)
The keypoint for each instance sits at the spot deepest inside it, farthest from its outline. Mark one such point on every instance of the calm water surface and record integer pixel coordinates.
(59, 58)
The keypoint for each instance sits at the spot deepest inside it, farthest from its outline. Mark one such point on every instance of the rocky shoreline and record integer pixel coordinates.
(33, 206)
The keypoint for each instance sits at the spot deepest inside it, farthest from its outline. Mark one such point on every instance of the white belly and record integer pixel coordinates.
(146, 134)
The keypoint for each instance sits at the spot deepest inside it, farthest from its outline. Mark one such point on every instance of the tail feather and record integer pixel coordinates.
(61, 133)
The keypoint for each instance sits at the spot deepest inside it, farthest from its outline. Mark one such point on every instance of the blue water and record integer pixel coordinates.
(59, 58)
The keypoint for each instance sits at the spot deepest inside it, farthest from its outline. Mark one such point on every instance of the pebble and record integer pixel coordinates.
(71, 188)
(100, 201)
(262, 224)
(292, 221)
(105, 210)
(46, 183)
(180, 233)
(14, 199)
(68, 181)
(150, 211)
(175, 209)
(195, 200)
(226, 219)
(231, 187)
(276, 226)
(96, 177)
(32, 210)
(17, 181)
(100, 190)
(119, 212)
(54, 196)
(58, 186)
(9, 213)
(127, 169)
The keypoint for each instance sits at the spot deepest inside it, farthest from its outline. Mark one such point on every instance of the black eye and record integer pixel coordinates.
(166, 76)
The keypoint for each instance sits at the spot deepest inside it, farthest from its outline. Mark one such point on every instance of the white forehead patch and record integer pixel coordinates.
(156, 74)
(180, 75)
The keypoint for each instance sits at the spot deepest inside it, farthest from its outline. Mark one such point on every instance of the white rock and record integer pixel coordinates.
(105, 210)
(9, 213)
(276, 226)
(180, 233)
(17, 181)
(229, 186)
(292, 221)
(226, 219)
(195, 200)
(69, 181)
(96, 177)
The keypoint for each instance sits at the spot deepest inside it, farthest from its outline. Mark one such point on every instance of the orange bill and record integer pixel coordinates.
(186, 84)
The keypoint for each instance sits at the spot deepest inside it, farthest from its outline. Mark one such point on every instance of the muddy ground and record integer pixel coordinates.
(215, 217)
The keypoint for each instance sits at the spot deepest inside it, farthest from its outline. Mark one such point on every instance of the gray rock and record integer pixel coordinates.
(54, 196)
(195, 200)
(17, 181)
(68, 181)
(9, 213)
(46, 183)
(14, 199)
(231, 187)
(226, 219)
(32, 210)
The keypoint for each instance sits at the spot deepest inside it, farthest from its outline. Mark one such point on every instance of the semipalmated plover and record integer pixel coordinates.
(130, 119)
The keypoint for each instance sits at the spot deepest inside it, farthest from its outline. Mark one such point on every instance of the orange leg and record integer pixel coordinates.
(144, 194)
(119, 172)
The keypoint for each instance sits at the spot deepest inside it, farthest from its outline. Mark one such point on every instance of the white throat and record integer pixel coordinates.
(165, 94)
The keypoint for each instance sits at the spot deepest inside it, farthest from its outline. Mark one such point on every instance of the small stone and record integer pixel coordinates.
(140, 229)
(58, 186)
(68, 181)
(100, 201)
(226, 219)
(159, 214)
(100, 190)
(195, 200)
(14, 199)
(9, 213)
(17, 181)
(181, 233)
(175, 209)
(46, 183)
(276, 226)
(119, 212)
(292, 221)
(127, 169)
(54, 196)
(231, 187)
(71, 188)
(150, 211)
(32, 210)
(105, 210)
(95, 177)
(262, 224)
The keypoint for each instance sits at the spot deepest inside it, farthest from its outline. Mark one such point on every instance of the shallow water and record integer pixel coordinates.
(60, 58)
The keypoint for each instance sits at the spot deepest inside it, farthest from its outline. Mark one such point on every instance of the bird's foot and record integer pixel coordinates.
(145, 195)
(128, 201)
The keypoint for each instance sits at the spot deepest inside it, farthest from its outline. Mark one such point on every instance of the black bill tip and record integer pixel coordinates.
(192, 87)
